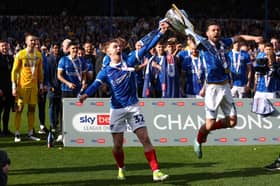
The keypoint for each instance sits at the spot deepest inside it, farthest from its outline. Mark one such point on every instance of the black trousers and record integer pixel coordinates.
(6, 103)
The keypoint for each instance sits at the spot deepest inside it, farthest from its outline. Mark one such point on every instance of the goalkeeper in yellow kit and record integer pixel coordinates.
(27, 74)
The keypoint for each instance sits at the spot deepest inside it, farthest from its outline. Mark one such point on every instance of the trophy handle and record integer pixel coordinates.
(182, 16)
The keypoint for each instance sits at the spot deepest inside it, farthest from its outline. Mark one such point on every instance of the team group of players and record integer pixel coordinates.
(156, 68)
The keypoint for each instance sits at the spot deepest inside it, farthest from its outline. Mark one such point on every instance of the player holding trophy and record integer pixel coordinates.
(217, 87)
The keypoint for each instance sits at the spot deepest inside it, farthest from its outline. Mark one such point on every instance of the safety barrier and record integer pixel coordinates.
(170, 122)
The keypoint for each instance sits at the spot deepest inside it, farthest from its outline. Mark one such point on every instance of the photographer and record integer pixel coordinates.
(266, 76)
(275, 76)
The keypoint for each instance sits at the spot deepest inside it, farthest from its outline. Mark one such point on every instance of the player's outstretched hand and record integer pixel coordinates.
(83, 97)
(259, 39)
(163, 26)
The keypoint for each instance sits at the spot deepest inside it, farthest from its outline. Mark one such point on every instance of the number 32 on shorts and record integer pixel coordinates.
(139, 118)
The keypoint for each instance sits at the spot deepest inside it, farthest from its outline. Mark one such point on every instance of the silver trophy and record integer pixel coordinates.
(178, 19)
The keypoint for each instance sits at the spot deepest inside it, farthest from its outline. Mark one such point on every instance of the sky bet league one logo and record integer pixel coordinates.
(91, 122)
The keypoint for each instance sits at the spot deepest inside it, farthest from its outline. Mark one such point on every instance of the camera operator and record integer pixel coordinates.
(276, 74)
(267, 74)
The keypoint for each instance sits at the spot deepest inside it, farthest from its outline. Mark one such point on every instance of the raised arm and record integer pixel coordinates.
(257, 39)
(163, 25)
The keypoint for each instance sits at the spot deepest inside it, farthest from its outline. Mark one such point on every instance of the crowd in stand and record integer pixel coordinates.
(99, 29)
(172, 68)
